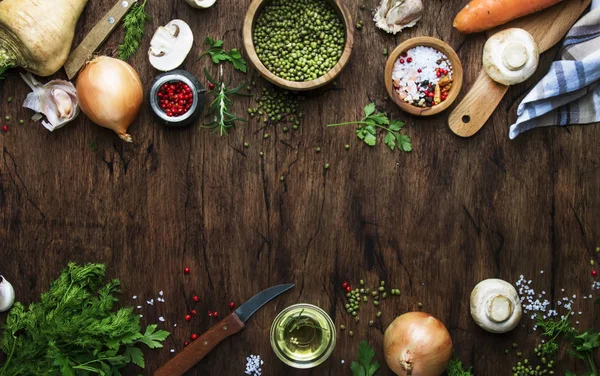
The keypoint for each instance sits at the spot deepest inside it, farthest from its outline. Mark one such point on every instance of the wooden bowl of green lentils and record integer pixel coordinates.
(298, 45)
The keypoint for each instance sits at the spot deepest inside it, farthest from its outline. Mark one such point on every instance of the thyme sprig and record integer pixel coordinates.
(219, 110)
(134, 24)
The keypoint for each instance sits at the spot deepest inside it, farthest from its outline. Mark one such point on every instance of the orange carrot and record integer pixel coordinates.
(481, 15)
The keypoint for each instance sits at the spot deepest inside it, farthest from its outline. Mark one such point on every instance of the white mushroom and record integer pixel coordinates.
(495, 306)
(170, 45)
(395, 15)
(511, 56)
(7, 295)
(201, 4)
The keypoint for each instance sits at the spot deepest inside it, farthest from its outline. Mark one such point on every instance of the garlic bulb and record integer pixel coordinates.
(395, 15)
(495, 306)
(7, 295)
(57, 100)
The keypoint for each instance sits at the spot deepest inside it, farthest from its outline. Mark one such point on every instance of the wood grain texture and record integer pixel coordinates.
(252, 15)
(457, 75)
(94, 39)
(547, 28)
(202, 346)
(433, 223)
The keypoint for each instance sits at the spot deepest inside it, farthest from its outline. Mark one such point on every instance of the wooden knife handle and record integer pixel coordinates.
(199, 348)
(477, 106)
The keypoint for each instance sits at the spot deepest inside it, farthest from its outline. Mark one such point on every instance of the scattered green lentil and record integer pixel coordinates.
(351, 333)
(365, 299)
(326, 166)
(381, 289)
(343, 327)
(10, 99)
(7, 118)
(375, 302)
(362, 282)
(357, 319)
(371, 322)
(592, 263)
(266, 136)
(281, 178)
(347, 147)
(515, 345)
(21, 121)
(378, 314)
(261, 154)
(385, 52)
(506, 351)
(299, 40)
(362, 7)
(420, 305)
(318, 150)
(375, 293)
(246, 144)
(286, 129)
(295, 127)
(384, 295)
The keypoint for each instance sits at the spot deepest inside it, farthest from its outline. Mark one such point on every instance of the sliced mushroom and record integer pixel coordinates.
(395, 15)
(511, 56)
(495, 306)
(201, 4)
(170, 45)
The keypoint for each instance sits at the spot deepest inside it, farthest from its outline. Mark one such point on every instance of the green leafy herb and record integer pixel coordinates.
(367, 129)
(134, 24)
(553, 330)
(218, 54)
(455, 368)
(92, 145)
(221, 118)
(74, 330)
(585, 345)
(300, 321)
(365, 366)
(3, 72)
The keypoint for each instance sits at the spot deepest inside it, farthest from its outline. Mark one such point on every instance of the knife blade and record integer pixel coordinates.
(229, 326)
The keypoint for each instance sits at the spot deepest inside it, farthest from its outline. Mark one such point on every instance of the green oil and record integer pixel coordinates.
(303, 336)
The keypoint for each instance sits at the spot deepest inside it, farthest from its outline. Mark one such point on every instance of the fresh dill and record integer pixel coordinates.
(455, 368)
(134, 24)
(553, 330)
(219, 111)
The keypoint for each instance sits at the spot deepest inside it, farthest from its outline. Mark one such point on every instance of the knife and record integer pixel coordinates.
(229, 326)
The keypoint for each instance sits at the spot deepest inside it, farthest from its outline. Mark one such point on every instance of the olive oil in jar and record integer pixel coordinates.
(303, 336)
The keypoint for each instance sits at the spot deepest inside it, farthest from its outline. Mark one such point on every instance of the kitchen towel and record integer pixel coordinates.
(570, 92)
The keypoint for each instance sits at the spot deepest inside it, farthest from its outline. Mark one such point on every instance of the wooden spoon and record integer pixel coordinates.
(547, 28)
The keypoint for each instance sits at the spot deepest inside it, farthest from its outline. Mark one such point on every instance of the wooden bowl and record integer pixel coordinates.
(252, 15)
(457, 72)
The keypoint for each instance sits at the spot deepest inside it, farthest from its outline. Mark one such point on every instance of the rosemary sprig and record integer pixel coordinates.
(219, 109)
(134, 24)
(299, 322)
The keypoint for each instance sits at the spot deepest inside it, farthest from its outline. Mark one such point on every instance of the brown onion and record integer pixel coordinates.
(417, 344)
(110, 93)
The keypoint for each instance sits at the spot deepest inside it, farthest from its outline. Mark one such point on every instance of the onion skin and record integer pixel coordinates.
(37, 34)
(110, 93)
(417, 344)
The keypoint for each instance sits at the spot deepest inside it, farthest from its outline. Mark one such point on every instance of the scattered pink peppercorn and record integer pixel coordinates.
(419, 70)
(196, 299)
(188, 317)
(186, 271)
(210, 314)
(5, 128)
(231, 305)
(404, 54)
(348, 288)
(215, 314)
(194, 312)
(345, 284)
(409, 60)
(194, 337)
(401, 61)
(211, 86)
(186, 343)
(594, 273)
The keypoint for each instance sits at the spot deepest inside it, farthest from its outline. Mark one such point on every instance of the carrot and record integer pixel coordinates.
(481, 15)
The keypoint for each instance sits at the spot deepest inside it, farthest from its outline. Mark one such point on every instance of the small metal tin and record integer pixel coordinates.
(316, 355)
(197, 105)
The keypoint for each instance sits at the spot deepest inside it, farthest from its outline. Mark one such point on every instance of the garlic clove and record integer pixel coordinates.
(170, 45)
(395, 15)
(57, 100)
(200, 4)
(7, 295)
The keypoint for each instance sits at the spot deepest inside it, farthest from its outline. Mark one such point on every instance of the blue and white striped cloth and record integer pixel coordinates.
(570, 92)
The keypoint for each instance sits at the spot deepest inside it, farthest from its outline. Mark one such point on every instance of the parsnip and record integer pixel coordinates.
(37, 34)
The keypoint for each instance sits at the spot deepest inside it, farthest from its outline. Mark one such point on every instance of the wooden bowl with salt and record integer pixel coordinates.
(457, 75)
(252, 15)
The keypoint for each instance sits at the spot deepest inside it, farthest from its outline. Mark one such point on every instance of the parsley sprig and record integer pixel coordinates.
(219, 110)
(218, 54)
(134, 24)
(365, 366)
(74, 329)
(367, 129)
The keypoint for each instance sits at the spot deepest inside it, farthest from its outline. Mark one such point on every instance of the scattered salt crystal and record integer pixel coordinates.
(161, 293)
(161, 319)
(141, 315)
(139, 307)
(172, 351)
(174, 325)
(577, 322)
(253, 365)
(134, 297)
(343, 361)
(574, 296)
(150, 302)
(541, 272)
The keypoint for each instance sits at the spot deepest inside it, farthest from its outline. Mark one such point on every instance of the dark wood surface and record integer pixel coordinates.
(433, 222)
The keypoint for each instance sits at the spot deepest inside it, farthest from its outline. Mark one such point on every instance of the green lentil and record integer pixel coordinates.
(281, 178)
(375, 302)
(357, 319)
(378, 314)
(7, 118)
(326, 166)
(351, 333)
(246, 144)
(385, 52)
(375, 293)
(354, 313)
(261, 154)
(592, 263)
(365, 299)
(342, 327)
(347, 147)
(362, 282)
(515, 345)
(266, 136)
(384, 295)
(286, 129)
(21, 121)
(295, 127)
(381, 289)
(318, 150)
(299, 40)
(420, 305)
(10, 99)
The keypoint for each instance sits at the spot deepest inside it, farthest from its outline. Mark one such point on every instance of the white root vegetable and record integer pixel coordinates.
(395, 15)
(57, 100)
(170, 45)
(417, 344)
(7, 295)
(110, 93)
(495, 306)
(511, 56)
(201, 4)
(37, 34)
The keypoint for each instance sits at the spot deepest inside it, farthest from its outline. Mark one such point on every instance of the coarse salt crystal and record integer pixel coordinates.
(161, 319)
(134, 297)
(161, 293)
(172, 351)
(139, 307)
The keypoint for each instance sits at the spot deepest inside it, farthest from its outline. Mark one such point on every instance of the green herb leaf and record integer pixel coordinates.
(135, 356)
(374, 120)
(455, 368)
(365, 365)
(134, 24)
(218, 54)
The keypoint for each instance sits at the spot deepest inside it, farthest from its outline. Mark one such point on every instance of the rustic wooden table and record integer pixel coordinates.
(433, 222)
